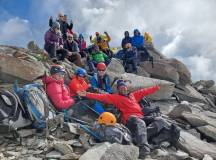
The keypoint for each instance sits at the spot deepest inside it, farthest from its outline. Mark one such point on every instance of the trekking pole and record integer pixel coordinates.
(90, 132)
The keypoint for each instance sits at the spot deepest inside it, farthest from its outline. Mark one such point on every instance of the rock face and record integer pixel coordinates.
(161, 71)
(194, 120)
(208, 131)
(107, 151)
(195, 147)
(188, 93)
(12, 68)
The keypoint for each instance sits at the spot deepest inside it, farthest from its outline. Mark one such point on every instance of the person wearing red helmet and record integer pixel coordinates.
(97, 56)
(100, 82)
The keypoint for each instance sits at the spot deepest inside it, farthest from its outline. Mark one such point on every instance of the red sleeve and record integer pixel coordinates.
(104, 98)
(139, 94)
(54, 92)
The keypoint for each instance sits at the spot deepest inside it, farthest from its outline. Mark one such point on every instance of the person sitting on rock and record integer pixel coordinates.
(100, 83)
(78, 82)
(64, 25)
(126, 39)
(82, 45)
(73, 49)
(97, 56)
(148, 40)
(130, 58)
(54, 43)
(103, 42)
(57, 91)
(131, 111)
(138, 42)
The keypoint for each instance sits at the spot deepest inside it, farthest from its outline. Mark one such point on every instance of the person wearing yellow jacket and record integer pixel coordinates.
(148, 38)
(102, 41)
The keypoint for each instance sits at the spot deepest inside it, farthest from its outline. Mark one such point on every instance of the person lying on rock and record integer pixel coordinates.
(72, 47)
(100, 83)
(57, 91)
(131, 111)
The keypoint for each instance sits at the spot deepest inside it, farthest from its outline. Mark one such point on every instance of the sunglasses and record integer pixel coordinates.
(70, 38)
(101, 70)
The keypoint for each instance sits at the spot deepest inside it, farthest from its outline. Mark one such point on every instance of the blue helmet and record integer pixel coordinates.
(80, 72)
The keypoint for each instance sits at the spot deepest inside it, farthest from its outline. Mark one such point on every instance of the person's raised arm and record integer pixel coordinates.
(139, 94)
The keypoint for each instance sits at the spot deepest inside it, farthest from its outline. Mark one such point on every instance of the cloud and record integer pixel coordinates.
(15, 31)
(183, 29)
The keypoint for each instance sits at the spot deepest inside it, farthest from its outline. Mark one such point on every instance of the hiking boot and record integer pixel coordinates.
(144, 151)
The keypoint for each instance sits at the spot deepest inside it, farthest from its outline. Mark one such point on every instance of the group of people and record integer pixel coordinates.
(134, 50)
(61, 42)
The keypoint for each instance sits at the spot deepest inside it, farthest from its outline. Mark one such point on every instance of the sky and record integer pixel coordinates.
(182, 29)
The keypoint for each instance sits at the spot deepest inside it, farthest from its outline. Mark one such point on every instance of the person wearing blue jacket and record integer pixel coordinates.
(138, 41)
(100, 82)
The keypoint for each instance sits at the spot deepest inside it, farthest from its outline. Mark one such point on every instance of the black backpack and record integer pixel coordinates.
(12, 113)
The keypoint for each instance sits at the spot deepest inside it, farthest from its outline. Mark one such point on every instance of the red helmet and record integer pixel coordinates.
(101, 66)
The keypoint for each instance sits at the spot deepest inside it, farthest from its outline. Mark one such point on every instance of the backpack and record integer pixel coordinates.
(12, 113)
(36, 104)
(148, 109)
(113, 134)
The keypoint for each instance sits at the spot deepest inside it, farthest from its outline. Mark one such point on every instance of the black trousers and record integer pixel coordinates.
(139, 134)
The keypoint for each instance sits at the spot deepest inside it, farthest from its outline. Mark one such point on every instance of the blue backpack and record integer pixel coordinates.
(36, 104)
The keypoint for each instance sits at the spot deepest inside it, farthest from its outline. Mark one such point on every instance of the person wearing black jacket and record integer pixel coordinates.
(126, 39)
(64, 25)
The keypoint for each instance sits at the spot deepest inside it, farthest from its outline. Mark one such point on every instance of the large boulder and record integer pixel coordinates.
(195, 147)
(12, 68)
(177, 111)
(184, 73)
(107, 151)
(161, 70)
(188, 93)
(208, 131)
(194, 119)
(138, 82)
(203, 84)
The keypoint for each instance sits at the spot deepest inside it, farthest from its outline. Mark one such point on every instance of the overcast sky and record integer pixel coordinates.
(184, 29)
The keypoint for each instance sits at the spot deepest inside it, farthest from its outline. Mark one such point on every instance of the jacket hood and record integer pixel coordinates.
(49, 79)
(136, 30)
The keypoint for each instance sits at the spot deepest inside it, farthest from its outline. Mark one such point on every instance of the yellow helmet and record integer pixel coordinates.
(107, 118)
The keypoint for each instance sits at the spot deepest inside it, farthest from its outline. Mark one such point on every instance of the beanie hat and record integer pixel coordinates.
(55, 25)
(121, 82)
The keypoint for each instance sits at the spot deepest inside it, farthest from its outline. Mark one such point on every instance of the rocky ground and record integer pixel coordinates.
(189, 105)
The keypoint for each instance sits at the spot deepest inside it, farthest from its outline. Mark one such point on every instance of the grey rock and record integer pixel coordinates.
(12, 153)
(209, 131)
(178, 110)
(115, 66)
(107, 151)
(26, 132)
(142, 72)
(96, 152)
(72, 156)
(194, 146)
(207, 157)
(22, 70)
(203, 84)
(62, 147)
(121, 152)
(194, 119)
(73, 128)
(161, 70)
(54, 155)
(188, 93)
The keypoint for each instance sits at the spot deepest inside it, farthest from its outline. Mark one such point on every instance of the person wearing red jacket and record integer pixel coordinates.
(78, 82)
(131, 111)
(56, 90)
